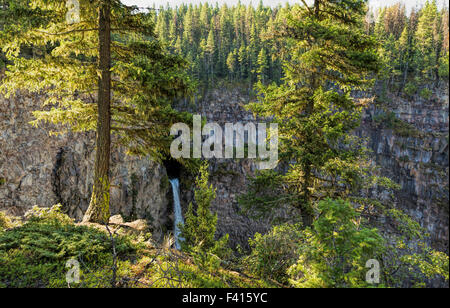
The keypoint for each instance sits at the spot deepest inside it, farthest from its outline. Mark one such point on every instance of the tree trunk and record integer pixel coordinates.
(306, 207)
(405, 76)
(98, 210)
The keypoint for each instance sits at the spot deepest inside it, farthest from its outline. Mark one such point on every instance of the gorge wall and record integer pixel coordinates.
(409, 140)
(43, 170)
(38, 169)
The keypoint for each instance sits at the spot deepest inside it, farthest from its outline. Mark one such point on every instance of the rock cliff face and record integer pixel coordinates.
(38, 169)
(412, 149)
(409, 140)
(229, 177)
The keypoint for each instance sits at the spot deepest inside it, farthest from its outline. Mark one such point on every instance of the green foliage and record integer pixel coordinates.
(228, 41)
(335, 249)
(430, 263)
(389, 120)
(329, 56)
(35, 254)
(107, 73)
(5, 222)
(426, 55)
(263, 66)
(410, 89)
(53, 215)
(221, 42)
(275, 252)
(64, 64)
(318, 57)
(265, 195)
(408, 260)
(200, 226)
(212, 259)
(199, 229)
(190, 274)
(412, 47)
(426, 93)
(444, 66)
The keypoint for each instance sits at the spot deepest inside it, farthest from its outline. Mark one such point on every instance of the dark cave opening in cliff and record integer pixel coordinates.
(173, 168)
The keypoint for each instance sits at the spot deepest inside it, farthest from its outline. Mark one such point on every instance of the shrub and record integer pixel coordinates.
(5, 222)
(414, 261)
(426, 93)
(388, 119)
(200, 227)
(49, 215)
(273, 253)
(335, 249)
(444, 66)
(35, 254)
(410, 89)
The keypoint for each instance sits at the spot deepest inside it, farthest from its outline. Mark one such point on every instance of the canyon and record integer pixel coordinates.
(408, 137)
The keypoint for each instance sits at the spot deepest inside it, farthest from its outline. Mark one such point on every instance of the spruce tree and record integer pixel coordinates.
(200, 224)
(444, 56)
(232, 64)
(263, 66)
(426, 59)
(329, 56)
(210, 49)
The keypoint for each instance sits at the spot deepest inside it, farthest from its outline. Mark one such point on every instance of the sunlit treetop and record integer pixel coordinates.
(49, 53)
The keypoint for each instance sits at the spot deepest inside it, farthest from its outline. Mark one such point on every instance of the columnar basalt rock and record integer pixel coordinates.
(38, 169)
(416, 156)
(228, 176)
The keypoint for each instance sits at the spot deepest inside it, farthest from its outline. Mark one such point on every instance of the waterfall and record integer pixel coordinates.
(177, 212)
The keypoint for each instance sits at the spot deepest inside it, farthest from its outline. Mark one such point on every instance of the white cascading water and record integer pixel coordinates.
(177, 212)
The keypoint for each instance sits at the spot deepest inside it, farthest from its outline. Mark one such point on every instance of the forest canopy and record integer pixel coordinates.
(234, 42)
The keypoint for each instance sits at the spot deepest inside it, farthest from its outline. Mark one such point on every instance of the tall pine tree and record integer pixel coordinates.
(329, 56)
(103, 70)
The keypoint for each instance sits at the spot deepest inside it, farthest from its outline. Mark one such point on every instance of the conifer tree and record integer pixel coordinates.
(426, 59)
(210, 49)
(263, 66)
(330, 55)
(444, 56)
(200, 225)
(205, 19)
(188, 28)
(231, 64)
(103, 71)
